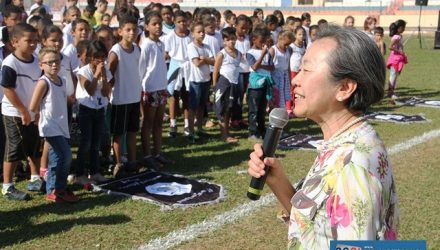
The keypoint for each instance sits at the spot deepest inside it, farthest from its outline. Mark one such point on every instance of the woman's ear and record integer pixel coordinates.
(346, 89)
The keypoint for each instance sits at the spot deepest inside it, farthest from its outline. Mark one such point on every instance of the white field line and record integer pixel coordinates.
(193, 231)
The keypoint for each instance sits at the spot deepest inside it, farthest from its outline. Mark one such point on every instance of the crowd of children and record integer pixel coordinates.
(117, 81)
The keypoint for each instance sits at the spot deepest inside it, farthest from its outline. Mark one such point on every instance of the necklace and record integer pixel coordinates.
(347, 126)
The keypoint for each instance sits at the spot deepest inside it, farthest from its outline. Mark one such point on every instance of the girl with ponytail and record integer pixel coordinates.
(397, 56)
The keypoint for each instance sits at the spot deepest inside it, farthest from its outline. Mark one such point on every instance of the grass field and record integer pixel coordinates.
(102, 221)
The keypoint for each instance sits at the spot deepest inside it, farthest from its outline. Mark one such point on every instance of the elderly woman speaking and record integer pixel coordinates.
(349, 193)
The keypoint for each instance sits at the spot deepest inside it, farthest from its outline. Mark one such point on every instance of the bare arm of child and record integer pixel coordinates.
(71, 99)
(209, 60)
(393, 46)
(113, 65)
(203, 60)
(198, 61)
(216, 70)
(106, 87)
(16, 102)
(382, 48)
(272, 52)
(37, 96)
(74, 80)
(270, 67)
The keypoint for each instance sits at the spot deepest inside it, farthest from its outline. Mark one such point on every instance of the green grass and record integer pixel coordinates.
(102, 221)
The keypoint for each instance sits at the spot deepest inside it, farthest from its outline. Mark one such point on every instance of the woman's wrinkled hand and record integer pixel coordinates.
(256, 165)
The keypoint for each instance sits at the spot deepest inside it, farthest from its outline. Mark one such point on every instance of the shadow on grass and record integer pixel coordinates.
(421, 93)
(388, 105)
(222, 157)
(302, 126)
(17, 226)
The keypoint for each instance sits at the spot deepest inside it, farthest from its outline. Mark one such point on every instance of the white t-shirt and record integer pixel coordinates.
(127, 88)
(254, 54)
(67, 35)
(296, 57)
(177, 47)
(65, 74)
(166, 29)
(53, 110)
(369, 34)
(281, 59)
(70, 62)
(96, 101)
(152, 66)
(230, 68)
(202, 72)
(243, 46)
(22, 77)
(215, 42)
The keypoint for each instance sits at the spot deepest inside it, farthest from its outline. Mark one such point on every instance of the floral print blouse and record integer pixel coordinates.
(348, 194)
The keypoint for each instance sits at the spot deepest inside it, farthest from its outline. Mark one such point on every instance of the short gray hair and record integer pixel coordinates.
(358, 58)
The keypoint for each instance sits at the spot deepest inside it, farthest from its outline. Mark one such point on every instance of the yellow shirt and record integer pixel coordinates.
(91, 20)
(98, 15)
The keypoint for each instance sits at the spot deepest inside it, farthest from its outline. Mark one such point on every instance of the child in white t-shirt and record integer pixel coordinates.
(20, 72)
(260, 82)
(123, 60)
(225, 79)
(212, 38)
(176, 49)
(80, 32)
(201, 57)
(53, 37)
(243, 45)
(49, 100)
(280, 54)
(298, 51)
(5, 49)
(92, 93)
(152, 68)
(72, 14)
(167, 19)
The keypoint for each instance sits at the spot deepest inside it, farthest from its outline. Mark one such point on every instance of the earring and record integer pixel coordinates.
(340, 98)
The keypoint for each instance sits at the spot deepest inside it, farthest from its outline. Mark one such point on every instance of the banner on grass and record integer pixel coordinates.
(393, 117)
(166, 190)
(300, 141)
(415, 101)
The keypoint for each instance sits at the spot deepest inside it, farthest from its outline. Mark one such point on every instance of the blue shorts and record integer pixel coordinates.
(198, 94)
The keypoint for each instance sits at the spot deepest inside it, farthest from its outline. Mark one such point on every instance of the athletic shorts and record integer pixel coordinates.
(155, 98)
(125, 118)
(227, 97)
(21, 141)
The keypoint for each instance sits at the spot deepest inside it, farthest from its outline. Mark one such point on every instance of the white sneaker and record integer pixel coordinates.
(394, 97)
(98, 178)
(71, 179)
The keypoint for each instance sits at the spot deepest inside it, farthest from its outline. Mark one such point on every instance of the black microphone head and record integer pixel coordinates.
(278, 117)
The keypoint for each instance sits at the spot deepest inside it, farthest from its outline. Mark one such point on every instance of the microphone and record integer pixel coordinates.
(278, 118)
